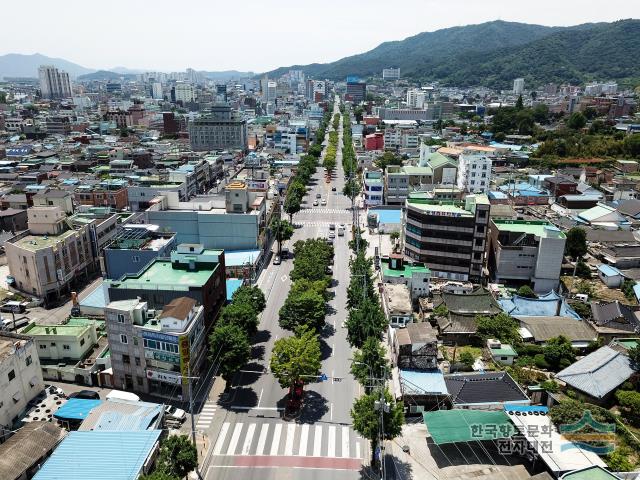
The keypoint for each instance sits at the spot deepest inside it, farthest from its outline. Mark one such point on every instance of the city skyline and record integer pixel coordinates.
(140, 38)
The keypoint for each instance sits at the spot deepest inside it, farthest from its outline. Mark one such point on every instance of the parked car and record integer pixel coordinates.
(332, 235)
(174, 413)
(323, 202)
(333, 189)
(85, 394)
(315, 203)
(318, 195)
(277, 260)
(332, 226)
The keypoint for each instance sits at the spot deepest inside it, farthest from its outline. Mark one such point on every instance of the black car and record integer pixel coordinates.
(85, 394)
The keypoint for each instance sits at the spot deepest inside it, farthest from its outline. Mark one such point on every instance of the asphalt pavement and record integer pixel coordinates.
(248, 437)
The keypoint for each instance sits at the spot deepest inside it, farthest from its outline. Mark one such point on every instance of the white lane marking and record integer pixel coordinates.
(231, 450)
(248, 439)
(262, 439)
(304, 438)
(205, 418)
(358, 449)
(260, 398)
(283, 278)
(333, 372)
(317, 441)
(331, 411)
(291, 432)
(345, 442)
(332, 441)
(221, 436)
(276, 439)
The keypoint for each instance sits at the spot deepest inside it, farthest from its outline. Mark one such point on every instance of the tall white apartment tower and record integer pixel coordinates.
(54, 83)
(518, 86)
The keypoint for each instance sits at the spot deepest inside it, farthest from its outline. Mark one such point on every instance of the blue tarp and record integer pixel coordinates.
(543, 306)
(423, 381)
(232, 285)
(76, 409)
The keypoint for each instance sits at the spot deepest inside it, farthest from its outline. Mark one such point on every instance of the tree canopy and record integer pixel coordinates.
(559, 353)
(501, 327)
(369, 360)
(526, 292)
(249, 295)
(282, 231)
(576, 243)
(229, 344)
(241, 314)
(312, 257)
(296, 358)
(306, 307)
(178, 456)
(368, 320)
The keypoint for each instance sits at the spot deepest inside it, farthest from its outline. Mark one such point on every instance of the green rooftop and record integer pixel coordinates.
(406, 272)
(627, 342)
(63, 330)
(590, 473)
(504, 351)
(441, 206)
(162, 273)
(538, 228)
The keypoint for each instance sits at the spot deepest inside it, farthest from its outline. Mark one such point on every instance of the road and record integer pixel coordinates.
(249, 439)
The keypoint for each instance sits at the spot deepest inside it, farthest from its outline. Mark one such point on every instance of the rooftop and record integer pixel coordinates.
(74, 330)
(449, 208)
(532, 227)
(83, 455)
(161, 272)
(406, 272)
(34, 243)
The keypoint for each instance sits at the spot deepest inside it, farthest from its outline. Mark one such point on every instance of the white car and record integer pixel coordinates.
(323, 202)
(315, 203)
(174, 413)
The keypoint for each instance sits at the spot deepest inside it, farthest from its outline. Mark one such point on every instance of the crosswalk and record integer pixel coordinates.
(287, 439)
(327, 210)
(312, 223)
(206, 416)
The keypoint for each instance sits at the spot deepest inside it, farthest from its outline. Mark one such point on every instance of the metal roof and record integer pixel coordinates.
(100, 456)
(598, 373)
(422, 382)
(123, 415)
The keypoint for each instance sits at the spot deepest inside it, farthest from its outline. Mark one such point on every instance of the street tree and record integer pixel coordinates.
(368, 320)
(292, 205)
(230, 345)
(318, 286)
(312, 257)
(282, 230)
(302, 308)
(159, 475)
(242, 314)
(178, 456)
(253, 296)
(296, 358)
(351, 189)
(368, 361)
(366, 419)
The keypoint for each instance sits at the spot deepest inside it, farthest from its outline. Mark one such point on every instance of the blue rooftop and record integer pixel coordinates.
(423, 381)
(96, 299)
(496, 195)
(232, 285)
(100, 456)
(238, 258)
(387, 216)
(609, 271)
(76, 409)
(543, 306)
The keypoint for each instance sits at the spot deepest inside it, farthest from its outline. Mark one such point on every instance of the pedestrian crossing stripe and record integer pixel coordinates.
(287, 440)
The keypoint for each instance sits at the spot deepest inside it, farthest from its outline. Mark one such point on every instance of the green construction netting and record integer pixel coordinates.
(449, 426)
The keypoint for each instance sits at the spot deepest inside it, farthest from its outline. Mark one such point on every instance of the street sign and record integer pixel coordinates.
(323, 377)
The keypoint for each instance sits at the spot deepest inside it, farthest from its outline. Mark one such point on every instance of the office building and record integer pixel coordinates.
(449, 237)
(154, 351)
(373, 190)
(474, 172)
(20, 377)
(156, 91)
(222, 129)
(391, 73)
(356, 91)
(54, 83)
(416, 98)
(526, 252)
(191, 271)
(49, 258)
(518, 86)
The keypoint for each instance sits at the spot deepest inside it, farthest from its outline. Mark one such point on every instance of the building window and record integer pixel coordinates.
(120, 318)
(139, 380)
(135, 259)
(124, 339)
(137, 360)
(126, 359)
(53, 344)
(43, 347)
(81, 341)
(28, 360)
(66, 347)
(135, 341)
(12, 375)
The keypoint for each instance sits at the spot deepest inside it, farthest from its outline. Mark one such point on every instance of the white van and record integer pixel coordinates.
(120, 395)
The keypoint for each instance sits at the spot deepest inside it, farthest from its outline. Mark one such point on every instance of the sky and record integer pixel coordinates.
(257, 35)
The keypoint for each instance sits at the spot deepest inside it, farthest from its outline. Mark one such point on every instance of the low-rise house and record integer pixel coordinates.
(603, 216)
(397, 304)
(597, 376)
(415, 347)
(549, 305)
(415, 276)
(501, 352)
(610, 276)
(541, 329)
(124, 455)
(13, 220)
(420, 390)
(484, 391)
(614, 319)
(20, 377)
(24, 452)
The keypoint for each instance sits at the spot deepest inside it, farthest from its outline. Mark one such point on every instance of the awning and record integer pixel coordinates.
(450, 426)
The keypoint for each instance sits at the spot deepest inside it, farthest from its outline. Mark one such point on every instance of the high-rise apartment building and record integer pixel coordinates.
(54, 83)
(391, 73)
(518, 86)
(183, 92)
(474, 172)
